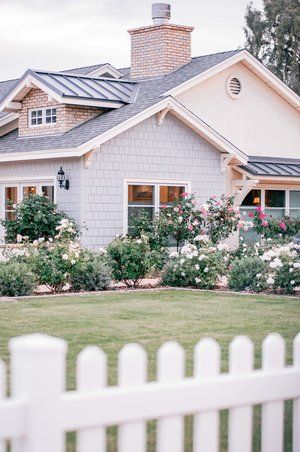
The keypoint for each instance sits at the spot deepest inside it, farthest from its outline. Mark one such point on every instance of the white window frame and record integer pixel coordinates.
(286, 208)
(22, 182)
(43, 110)
(157, 183)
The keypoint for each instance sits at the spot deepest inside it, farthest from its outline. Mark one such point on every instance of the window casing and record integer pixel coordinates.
(149, 197)
(42, 116)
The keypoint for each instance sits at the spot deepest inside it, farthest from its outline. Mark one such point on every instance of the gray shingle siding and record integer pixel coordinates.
(168, 152)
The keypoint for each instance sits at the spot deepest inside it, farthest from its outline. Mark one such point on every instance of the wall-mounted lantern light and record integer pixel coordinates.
(62, 181)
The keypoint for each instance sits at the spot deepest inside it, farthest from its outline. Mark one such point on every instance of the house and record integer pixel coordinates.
(130, 139)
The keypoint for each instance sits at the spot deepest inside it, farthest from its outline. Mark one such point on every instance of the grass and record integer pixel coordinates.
(110, 320)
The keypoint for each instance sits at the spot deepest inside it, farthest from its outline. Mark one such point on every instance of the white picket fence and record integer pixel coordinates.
(40, 411)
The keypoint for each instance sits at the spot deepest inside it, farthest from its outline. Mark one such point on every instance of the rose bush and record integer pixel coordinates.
(269, 227)
(195, 267)
(34, 217)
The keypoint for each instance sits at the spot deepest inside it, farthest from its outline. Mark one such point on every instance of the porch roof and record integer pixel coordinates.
(276, 167)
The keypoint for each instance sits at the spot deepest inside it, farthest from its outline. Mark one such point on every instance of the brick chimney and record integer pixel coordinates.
(160, 48)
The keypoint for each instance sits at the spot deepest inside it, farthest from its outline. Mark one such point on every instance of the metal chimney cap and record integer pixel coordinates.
(161, 13)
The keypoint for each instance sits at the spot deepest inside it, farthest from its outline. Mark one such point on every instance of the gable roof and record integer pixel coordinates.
(244, 57)
(72, 89)
(96, 70)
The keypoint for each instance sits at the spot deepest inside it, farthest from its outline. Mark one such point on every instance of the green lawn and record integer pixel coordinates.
(110, 320)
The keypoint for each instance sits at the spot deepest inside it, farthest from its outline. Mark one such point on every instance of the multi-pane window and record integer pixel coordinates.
(43, 116)
(275, 203)
(148, 199)
(14, 193)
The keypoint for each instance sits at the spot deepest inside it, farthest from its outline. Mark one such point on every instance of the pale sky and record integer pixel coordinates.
(62, 34)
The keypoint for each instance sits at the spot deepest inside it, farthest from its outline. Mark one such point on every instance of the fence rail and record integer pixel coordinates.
(40, 411)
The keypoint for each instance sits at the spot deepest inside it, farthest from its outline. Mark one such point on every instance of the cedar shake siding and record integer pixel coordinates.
(68, 116)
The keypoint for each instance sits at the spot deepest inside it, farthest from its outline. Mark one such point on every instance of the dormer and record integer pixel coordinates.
(50, 103)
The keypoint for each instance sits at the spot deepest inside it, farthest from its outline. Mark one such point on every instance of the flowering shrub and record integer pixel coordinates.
(194, 267)
(129, 259)
(283, 263)
(36, 216)
(269, 227)
(248, 273)
(16, 279)
(219, 218)
(90, 272)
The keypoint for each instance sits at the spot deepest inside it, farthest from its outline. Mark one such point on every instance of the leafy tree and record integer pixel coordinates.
(273, 36)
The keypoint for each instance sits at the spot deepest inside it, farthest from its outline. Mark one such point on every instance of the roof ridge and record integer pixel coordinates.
(72, 74)
(217, 53)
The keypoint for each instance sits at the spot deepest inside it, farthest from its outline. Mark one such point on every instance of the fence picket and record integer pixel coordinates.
(296, 402)
(91, 375)
(241, 357)
(2, 395)
(170, 367)
(206, 425)
(132, 371)
(38, 375)
(273, 357)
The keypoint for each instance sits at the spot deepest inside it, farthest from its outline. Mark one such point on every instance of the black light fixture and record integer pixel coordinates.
(62, 181)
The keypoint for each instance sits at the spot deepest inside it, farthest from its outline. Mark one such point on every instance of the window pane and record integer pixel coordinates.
(134, 212)
(252, 199)
(275, 213)
(48, 120)
(40, 113)
(294, 198)
(33, 114)
(53, 118)
(275, 198)
(33, 122)
(140, 194)
(295, 213)
(39, 120)
(48, 111)
(48, 190)
(29, 191)
(167, 194)
(11, 197)
(10, 215)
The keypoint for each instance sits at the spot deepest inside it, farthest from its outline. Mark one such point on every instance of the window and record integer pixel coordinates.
(10, 198)
(43, 116)
(149, 198)
(16, 192)
(295, 203)
(275, 203)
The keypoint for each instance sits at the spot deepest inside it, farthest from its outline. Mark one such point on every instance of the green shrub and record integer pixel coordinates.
(16, 279)
(129, 260)
(248, 273)
(52, 262)
(35, 217)
(90, 273)
(288, 277)
(193, 267)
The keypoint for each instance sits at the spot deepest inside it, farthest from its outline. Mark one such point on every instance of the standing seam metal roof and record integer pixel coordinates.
(273, 167)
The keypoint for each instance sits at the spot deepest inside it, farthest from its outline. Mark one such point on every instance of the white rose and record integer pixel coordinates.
(182, 274)
(296, 265)
(197, 280)
(206, 270)
(65, 257)
(292, 282)
(197, 267)
(270, 280)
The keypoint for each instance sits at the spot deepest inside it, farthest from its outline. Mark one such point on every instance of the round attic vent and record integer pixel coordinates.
(234, 87)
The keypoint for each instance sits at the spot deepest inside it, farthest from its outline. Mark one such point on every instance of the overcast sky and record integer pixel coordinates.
(61, 34)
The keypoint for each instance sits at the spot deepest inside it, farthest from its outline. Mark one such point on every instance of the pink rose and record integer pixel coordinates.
(190, 227)
(282, 226)
(264, 223)
(184, 195)
(251, 214)
(262, 216)
(258, 209)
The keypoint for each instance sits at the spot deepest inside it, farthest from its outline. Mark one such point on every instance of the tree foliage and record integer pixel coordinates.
(273, 36)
